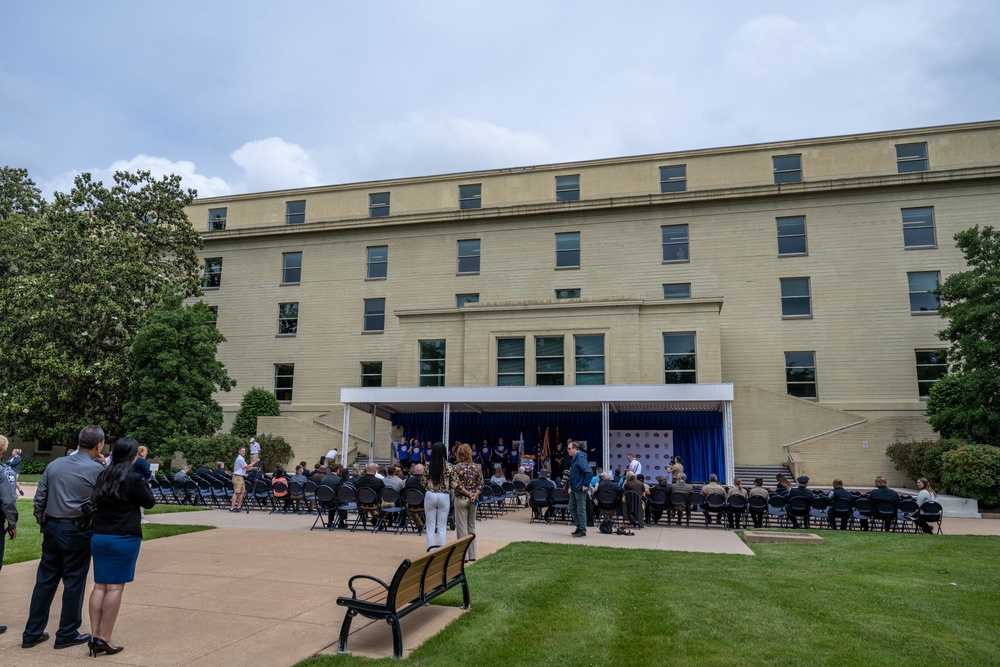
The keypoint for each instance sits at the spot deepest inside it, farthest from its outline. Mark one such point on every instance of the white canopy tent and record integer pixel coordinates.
(385, 402)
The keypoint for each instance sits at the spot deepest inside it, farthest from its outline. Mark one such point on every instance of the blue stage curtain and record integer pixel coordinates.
(698, 436)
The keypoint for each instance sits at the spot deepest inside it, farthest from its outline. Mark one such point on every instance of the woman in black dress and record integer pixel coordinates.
(118, 495)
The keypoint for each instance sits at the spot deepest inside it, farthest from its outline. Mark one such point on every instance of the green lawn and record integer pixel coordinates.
(171, 509)
(28, 545)
(859, 599)
(31, 479)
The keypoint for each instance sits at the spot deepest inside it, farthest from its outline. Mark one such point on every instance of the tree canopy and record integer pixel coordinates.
(257, 402)
(79, 277)
(966, 403)
(174, 375)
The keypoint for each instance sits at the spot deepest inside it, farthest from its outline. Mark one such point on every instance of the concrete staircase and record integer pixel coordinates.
(747, 474)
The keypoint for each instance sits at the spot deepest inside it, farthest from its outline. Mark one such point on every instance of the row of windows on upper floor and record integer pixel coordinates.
(673, 178)
(796, 301)
(792, 241)
(680, 365)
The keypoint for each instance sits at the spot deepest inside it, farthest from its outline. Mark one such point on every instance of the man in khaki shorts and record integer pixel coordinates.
(239, 479)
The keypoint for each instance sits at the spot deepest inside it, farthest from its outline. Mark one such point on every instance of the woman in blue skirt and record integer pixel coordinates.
(118, 495)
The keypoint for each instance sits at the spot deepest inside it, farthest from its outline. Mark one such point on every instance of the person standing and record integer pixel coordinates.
(437, 483)
(141, 467)
(486, 458)
(239, 480)
(65, 486)
(254, 448)
(8, 504)
(500, 456)
(15, 465)
(119, 495)
(467, 482)
(579, 483)
(416, 452)
(558, 460)
(404, 455)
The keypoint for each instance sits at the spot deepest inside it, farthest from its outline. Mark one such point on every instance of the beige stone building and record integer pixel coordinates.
(797, 271)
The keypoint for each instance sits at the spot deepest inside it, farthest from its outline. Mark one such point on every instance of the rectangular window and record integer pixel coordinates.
(510, 362)
(432, 354)
(216, 219)
(792, 236)
(589, 359)
(568, 250)
(378, 205)
(371, 373)
(911, 157)
(374, 315)
(677, 291)
(679, 358)
(213, 273)
(291, 268)
(549, 361)
(918, 227)
(468, 256)
(288, 319)
(568, 188)
(922, 285)
(931, 366)
(284, 376)
(295, 212)
(568, 293)
(673, 179)
(462, 299)
(470, 196)
(215, 316)
(800, 374)
(787, 168)
(378, 262)
(795, 299)
(675, 243)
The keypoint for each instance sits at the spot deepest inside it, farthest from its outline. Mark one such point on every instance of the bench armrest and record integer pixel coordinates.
(350, 583)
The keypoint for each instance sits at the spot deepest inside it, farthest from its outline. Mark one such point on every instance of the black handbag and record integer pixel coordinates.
(86, 520)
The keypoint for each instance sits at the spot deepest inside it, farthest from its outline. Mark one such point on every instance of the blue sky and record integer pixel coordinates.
(249, 96)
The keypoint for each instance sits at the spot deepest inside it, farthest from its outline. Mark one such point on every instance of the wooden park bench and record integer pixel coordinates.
(415, 584)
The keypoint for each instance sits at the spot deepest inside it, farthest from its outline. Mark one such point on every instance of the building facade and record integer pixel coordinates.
(798, 271)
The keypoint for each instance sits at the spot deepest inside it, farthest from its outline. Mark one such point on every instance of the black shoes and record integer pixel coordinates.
(3, 629)
(98, 646)
(579, 533)
(35, 641)
(73, 641)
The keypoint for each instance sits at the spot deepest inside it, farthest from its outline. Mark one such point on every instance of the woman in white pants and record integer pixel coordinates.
(437, 483)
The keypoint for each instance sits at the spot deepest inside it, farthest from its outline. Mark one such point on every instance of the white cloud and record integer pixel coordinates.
(207, 186)
(274, 164)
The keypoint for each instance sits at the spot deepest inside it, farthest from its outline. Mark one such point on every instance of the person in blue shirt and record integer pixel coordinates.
(500, 456)
(415, 451)
(426, 453)
(513, 459)
(403, 453)
(486, 458)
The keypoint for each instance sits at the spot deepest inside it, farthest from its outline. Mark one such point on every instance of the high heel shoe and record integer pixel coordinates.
(91, 643)
(101, 646)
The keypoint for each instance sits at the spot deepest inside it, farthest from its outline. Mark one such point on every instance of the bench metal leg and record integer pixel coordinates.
(397, 637)
(466, 600)
(345, 631)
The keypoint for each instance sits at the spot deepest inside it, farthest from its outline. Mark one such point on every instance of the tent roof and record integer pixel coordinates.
(387, 401)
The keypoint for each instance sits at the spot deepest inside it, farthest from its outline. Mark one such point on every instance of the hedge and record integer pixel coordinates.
(224, 447)
(973, 471)
(33, 467)
(923, 458)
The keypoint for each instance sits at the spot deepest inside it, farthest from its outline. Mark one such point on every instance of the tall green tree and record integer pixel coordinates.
(966, 403)
(174, 374)
(79, 276)
(257, 402)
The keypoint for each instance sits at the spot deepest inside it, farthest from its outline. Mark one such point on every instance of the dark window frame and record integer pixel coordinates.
(673, 178)
(293, 216)
(374, 318)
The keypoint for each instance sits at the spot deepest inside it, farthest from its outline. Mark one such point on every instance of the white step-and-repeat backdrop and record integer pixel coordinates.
(654, 449)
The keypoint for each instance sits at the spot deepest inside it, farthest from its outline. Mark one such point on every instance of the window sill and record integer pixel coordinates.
(284, 335)
(375, 280)
(372, 333)
(211, 289)
(923, 313)
(467, 273)
(288, 284)
(567, 268)
(676, 261)
(920, 247)
(796, 317)
(793, 254)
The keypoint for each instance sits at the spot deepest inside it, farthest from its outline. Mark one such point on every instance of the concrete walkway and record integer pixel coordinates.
(261, 589)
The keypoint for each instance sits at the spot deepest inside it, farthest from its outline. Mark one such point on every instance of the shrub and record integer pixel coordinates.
(224, 447)
(973, 471)
(33, 467)
(922, 458)
(257, 402)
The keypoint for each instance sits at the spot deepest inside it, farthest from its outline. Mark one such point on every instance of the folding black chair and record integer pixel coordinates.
(540, 502)
(608, 507)
(798, 508)
(656, 506)
(324, 503)
(413, 501)
(560, 503)
(279, 491)
(347, 502)
(369, 505)
(930, 513)
(777, 508)
(736, 506)
(757, 509)
(391, 512)
(714, 506)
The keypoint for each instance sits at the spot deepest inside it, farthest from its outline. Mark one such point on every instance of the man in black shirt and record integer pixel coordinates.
(801, 491)
(883, 494)
(372, 482)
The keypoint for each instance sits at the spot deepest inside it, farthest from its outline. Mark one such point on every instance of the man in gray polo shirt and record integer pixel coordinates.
(66, 484)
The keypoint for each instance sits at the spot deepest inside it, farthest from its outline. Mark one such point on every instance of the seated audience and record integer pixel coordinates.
(882, 493)
(839, 493)
(801, 491)
(926, 494)
(713, 488)
(758, 490)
